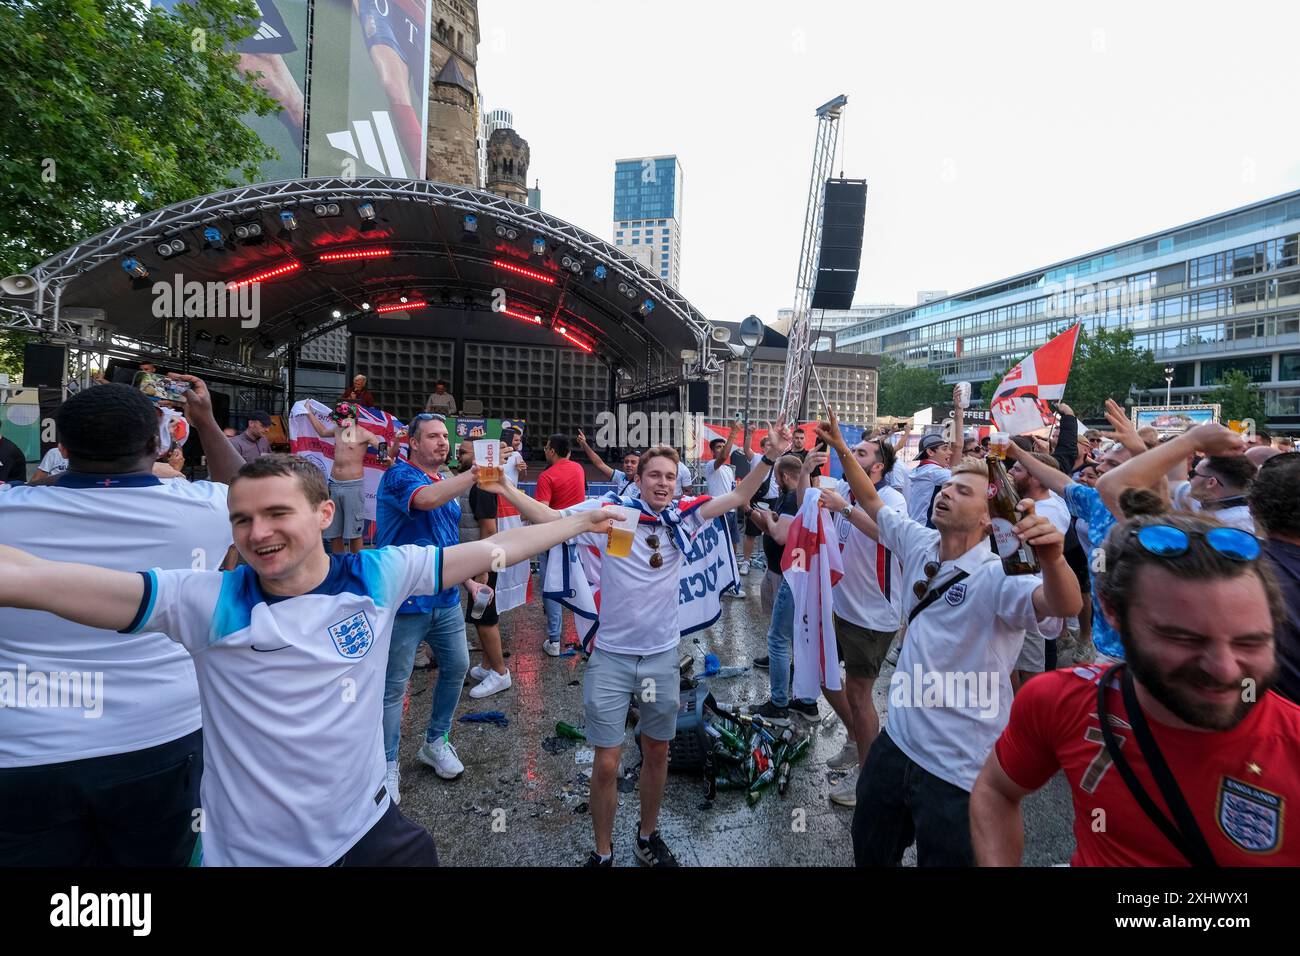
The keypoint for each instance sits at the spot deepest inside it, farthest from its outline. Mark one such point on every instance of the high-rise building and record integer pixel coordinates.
(648, 213)
(535, 195)
(1217, 294)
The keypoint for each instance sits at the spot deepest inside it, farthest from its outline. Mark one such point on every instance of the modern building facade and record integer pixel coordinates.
(648, 212)
(827, 322)
(1212, 295)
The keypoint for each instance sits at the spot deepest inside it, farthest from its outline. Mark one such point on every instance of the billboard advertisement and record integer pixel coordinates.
(369, 95)
(278, 51)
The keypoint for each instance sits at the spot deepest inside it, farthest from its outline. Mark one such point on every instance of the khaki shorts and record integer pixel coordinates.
(862, 649)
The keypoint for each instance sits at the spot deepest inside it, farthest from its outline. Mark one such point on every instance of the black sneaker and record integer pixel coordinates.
(761, 662)
(653, 851)
(594, 860)
(769, 711)
(808, 711)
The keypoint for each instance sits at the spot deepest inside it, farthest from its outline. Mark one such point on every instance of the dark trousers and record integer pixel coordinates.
(130, 809)
(899, 801)
(393, 841)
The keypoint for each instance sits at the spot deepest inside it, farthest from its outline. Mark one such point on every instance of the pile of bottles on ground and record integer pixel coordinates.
(748, 752)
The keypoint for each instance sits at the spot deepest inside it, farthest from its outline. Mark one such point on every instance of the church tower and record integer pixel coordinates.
(453, 93)
(507, 164)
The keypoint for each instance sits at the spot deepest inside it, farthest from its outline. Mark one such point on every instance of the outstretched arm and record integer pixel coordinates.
(1050, 478)
(596, 461)
(104, 599)
(863, 490)
(1146, 470)
(756, 478)
(464, 561)
(532, 510)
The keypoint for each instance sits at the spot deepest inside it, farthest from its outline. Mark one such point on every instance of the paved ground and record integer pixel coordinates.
(518, 804)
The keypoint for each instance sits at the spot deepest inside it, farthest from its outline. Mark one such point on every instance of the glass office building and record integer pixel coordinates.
(1206, 297)
(648, 213)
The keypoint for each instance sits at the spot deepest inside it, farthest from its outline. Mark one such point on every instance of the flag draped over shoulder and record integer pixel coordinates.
(304, 441)
(1020, 403)
(812, 565)
(709, 568)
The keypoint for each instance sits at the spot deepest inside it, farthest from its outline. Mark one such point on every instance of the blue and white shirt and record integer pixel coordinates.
(1085, 503)
(292, 695)
(397, 523)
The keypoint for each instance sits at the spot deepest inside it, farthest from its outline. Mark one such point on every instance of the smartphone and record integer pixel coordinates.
(160, 388)
(383, 450)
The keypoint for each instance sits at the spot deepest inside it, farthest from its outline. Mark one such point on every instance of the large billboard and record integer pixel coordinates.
(369, 92)
(278, 51)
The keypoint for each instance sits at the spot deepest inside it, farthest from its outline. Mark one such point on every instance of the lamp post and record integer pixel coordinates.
(751, 333)
(1169, 384)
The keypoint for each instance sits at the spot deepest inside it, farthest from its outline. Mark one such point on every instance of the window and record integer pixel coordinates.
(618, 242)
(619, 233)
(636, 242)
(1258, 367)
(636, 232)
(1288, 367)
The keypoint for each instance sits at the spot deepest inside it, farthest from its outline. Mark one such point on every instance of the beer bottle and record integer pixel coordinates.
(1017, 556)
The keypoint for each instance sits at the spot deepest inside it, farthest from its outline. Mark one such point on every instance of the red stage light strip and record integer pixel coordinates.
(527, 273)
(535, 320)
(284, 269)
(355, 254)
(577, 341)
(401, 306)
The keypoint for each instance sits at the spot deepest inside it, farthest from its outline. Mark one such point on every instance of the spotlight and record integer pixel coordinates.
(134, 269)
(402, 299)
(647, 307)
(470, 222)
(365, 306)
(599, 273)
(171, 247)
(627, 290)
(539, 247)
(366, 210)
(288, 220)
(572, 264)
(506, 232)
(212, 238)
(336, 314)
(326, 209)
(248, 231)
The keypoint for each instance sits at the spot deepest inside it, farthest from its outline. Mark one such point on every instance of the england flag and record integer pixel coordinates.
(812, 565)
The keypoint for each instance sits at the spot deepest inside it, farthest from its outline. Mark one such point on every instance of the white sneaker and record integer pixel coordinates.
(845, 793)
(441, 756)
(423, 657)
(392, 780)
(479, 673)
(552, 647)
(737, 593)
(744, 566)
(846, 759)
(494, 683)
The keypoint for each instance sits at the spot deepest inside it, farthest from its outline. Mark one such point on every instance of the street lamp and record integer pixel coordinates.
(751, 333)
(1169, 384)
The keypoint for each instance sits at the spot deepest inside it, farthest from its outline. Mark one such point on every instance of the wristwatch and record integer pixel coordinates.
(769, 462)
(847, 511)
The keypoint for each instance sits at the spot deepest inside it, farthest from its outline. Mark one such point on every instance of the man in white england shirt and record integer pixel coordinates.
(1033, 653)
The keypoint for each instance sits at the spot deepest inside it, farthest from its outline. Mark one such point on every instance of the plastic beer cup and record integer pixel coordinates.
(487, 455)
(621, 531)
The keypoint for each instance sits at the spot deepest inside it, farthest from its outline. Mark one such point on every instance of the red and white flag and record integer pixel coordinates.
(1020, 403)
(812, 565)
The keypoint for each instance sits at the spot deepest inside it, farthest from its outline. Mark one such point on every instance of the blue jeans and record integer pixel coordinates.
(554, 610)
(444, 629)
(780, 644)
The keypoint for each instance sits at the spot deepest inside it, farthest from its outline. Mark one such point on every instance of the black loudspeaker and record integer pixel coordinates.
(44, 365)
(697, 397)
(844, 214)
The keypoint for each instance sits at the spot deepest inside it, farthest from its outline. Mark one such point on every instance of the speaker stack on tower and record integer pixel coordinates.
(844, 214)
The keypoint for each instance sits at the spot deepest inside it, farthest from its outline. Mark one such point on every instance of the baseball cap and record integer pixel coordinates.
(931, 442)
(259, 416)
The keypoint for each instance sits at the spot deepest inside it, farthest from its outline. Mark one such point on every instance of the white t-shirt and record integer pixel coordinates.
(772, 490)
(511, 468)
(922, 482)
(719, 479)
(870, 594)
(53, 463)
(149, 695)
(950, 696)
(1058, 512)
(1237, 516)
(292, 692)
(638, 603)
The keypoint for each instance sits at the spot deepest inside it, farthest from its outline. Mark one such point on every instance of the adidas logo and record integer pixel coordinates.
(267, 32)
(376, 141)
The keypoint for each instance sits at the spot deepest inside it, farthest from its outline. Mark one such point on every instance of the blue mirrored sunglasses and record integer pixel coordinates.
(1166, 541)
(426, 416)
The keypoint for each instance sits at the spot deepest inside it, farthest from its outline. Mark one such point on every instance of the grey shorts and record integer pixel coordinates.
(349, 499)
(608, 684)
(1033, 655)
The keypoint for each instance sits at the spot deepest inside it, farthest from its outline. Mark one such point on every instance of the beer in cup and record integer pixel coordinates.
(621, 531)
(487, 455)
(998, 442)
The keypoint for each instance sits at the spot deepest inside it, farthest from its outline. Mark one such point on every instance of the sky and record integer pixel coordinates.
(995, 137)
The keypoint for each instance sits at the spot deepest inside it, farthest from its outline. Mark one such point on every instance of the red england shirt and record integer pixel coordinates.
(562, 485)
(1239, 784)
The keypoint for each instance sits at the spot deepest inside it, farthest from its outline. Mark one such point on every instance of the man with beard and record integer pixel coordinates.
(1191, 721)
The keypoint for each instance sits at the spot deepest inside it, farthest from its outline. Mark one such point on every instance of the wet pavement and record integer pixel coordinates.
(522, 799)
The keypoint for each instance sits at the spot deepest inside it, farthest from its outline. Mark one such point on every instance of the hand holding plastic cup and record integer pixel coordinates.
(487, 455)
(622, 530)
(999, 442)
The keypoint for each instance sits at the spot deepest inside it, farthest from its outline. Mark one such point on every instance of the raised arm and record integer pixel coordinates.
(863, 490)
(811, 462)
(104, 599)
(1125, 433)
(224, 461)
(724, 453)
(464, 561)
(440, 492)
(857, 517)
(532, 510)
(320, 429)
(1049, 477)
(745, 491)
(1067, 439)
(996, 829)
(1146, 470)
(1058, 595)
(597, 462)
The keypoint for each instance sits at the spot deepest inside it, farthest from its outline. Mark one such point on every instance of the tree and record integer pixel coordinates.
(1238, 398)
(1106, 365)
(11, 353)
(903, 391)
(109, 109)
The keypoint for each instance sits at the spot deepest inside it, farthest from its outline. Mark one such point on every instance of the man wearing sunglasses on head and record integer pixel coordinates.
(966, 620)
(634, 648)
(1182, 755)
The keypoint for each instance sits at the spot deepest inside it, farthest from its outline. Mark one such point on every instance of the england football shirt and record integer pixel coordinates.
(870, 594)
(719, 479)
(292, 693)
(53, 463)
